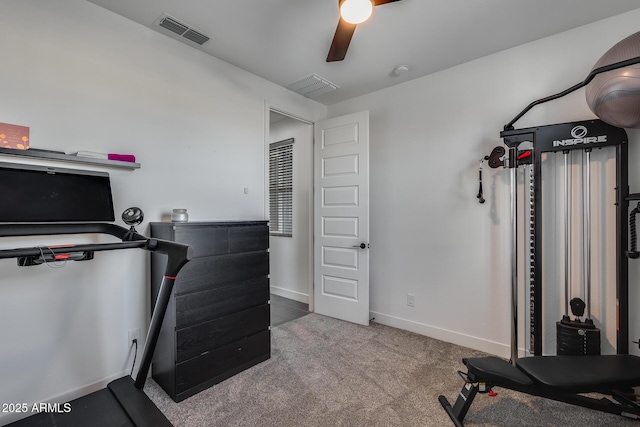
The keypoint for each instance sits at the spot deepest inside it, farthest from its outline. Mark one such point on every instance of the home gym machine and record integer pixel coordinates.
(579, 336)
(563, 378)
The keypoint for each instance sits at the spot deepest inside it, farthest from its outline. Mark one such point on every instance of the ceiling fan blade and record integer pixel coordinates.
(381, 2)
(341, 40)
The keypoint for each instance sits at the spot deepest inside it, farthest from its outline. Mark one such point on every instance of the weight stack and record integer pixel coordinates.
(577, 338)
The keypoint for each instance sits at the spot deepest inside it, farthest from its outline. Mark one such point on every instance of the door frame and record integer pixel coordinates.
(269, 108)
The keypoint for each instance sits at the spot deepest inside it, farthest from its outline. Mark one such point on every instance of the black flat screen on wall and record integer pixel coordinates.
(43, 194)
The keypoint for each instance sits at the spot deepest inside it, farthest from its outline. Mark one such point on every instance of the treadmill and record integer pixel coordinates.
(47, 201)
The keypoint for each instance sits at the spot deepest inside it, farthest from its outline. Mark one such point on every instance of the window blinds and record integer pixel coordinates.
(281, 188)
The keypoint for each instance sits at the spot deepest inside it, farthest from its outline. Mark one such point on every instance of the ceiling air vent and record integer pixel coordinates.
(195, 36)
(312, 85)
(170, 23)
(173, 25)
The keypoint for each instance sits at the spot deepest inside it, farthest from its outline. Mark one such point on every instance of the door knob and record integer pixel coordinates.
(361, 246)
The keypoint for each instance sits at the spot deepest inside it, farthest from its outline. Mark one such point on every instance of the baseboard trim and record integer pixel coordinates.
(287, 293)
(457, 338)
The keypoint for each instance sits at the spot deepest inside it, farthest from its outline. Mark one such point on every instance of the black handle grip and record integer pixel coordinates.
(632, 253)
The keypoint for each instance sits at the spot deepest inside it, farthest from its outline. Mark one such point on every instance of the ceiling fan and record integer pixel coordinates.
(352, 12)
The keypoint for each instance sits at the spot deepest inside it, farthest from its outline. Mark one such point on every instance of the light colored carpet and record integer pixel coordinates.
(326, 372)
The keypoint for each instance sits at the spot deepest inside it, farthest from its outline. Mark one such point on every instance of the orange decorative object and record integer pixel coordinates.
(14, 136)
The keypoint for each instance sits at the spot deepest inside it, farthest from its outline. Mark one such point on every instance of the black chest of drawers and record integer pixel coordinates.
(217, 322)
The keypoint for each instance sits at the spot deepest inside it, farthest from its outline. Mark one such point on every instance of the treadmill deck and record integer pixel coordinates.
(120, 404)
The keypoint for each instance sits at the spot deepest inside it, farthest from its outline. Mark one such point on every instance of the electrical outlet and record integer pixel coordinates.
(134, 334)
(411, 300)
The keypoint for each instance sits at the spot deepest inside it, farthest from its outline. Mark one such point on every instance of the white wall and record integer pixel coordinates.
(429, 235)
(289, 257)
(83, 78)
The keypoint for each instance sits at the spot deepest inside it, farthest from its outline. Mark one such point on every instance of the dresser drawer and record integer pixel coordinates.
(217, 271)
(204, 241)
(248, 238)
(199, 339)
(221, 363)
(202, 306)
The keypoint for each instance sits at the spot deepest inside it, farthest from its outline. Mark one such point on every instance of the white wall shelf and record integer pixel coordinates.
(34, 154)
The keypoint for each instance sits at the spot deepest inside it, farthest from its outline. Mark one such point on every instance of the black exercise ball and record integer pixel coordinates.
(614, 96)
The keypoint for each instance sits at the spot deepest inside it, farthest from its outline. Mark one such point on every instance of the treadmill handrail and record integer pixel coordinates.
(45, 229)
(65, 249)
(178, 255)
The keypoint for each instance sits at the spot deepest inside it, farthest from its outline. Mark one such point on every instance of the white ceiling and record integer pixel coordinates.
(285, 40)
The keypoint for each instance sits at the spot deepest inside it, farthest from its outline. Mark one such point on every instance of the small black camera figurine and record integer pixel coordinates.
(132, 217)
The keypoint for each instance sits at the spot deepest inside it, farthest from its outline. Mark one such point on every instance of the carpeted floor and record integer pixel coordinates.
(326, 372)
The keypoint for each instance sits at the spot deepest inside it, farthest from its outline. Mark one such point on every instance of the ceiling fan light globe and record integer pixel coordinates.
(356, 11)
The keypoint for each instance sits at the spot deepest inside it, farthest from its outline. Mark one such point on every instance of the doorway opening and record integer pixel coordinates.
(291, 254)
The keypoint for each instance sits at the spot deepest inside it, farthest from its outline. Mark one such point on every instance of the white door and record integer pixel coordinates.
(341, 217)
